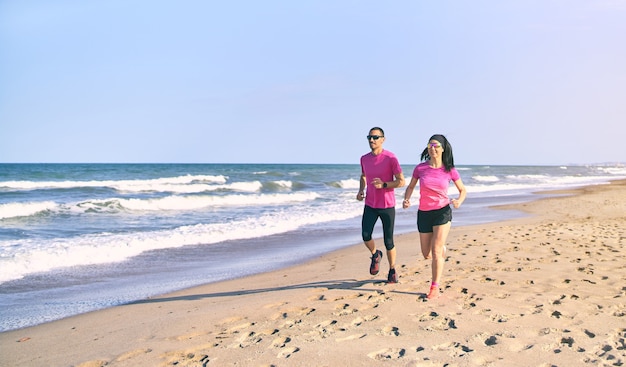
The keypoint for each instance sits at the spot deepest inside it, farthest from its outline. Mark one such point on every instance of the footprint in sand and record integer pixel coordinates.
(288, 352)
(292, 321)
(499, 318)
(387, 354)
(298, 311)
(491, 341)
(301, 311)
(470, 302)
(242, 326)
(390, 331)
(233, 330)
(620, 310)
(280, 342)
(438, 322)
(612, 353)
(360, 320)
(349, 296)
(454, 348)
(445, 346)
(378, 298)
(344, 310)
(320, 297)
(247, 340)
(323, 330)
(187, 359)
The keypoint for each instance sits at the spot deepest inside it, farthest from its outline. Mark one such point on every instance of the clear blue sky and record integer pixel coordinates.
(509, 82)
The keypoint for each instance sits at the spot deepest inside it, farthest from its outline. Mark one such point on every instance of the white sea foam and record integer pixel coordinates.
(168, 203)
(280, 185)
(22, 257)
(349, 184)
(512, 185)
(528, 178)
(15, 210)
(617, 170)
(183, 203)
(243, 186)
(285, 184)
(189, 183)
(486, 178)
(495, 190)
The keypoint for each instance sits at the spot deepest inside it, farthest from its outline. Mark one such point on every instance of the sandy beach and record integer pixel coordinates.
(545, 290)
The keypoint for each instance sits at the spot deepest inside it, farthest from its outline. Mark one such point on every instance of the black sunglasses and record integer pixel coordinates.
(375, 137)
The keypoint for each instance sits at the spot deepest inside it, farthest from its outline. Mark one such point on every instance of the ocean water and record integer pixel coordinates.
(80, 237)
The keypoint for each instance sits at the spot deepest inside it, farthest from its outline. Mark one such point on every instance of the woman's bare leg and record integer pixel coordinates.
(438, 242)
(440, 236)
(425, 243)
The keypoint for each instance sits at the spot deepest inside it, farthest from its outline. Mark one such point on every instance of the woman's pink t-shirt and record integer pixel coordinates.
(434, 184)
(384, 166)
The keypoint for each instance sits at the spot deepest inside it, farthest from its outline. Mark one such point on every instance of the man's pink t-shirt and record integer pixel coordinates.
(384, 166)
(434, 184)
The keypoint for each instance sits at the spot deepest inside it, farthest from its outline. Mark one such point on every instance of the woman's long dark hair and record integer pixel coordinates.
(447, 157)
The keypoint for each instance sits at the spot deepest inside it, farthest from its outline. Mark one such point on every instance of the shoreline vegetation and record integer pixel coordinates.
(543, 290)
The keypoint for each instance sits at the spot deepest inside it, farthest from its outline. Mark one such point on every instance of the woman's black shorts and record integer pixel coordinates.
(426, 220)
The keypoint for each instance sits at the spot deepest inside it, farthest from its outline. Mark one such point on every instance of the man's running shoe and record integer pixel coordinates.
(375, 265)
(392, 277)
